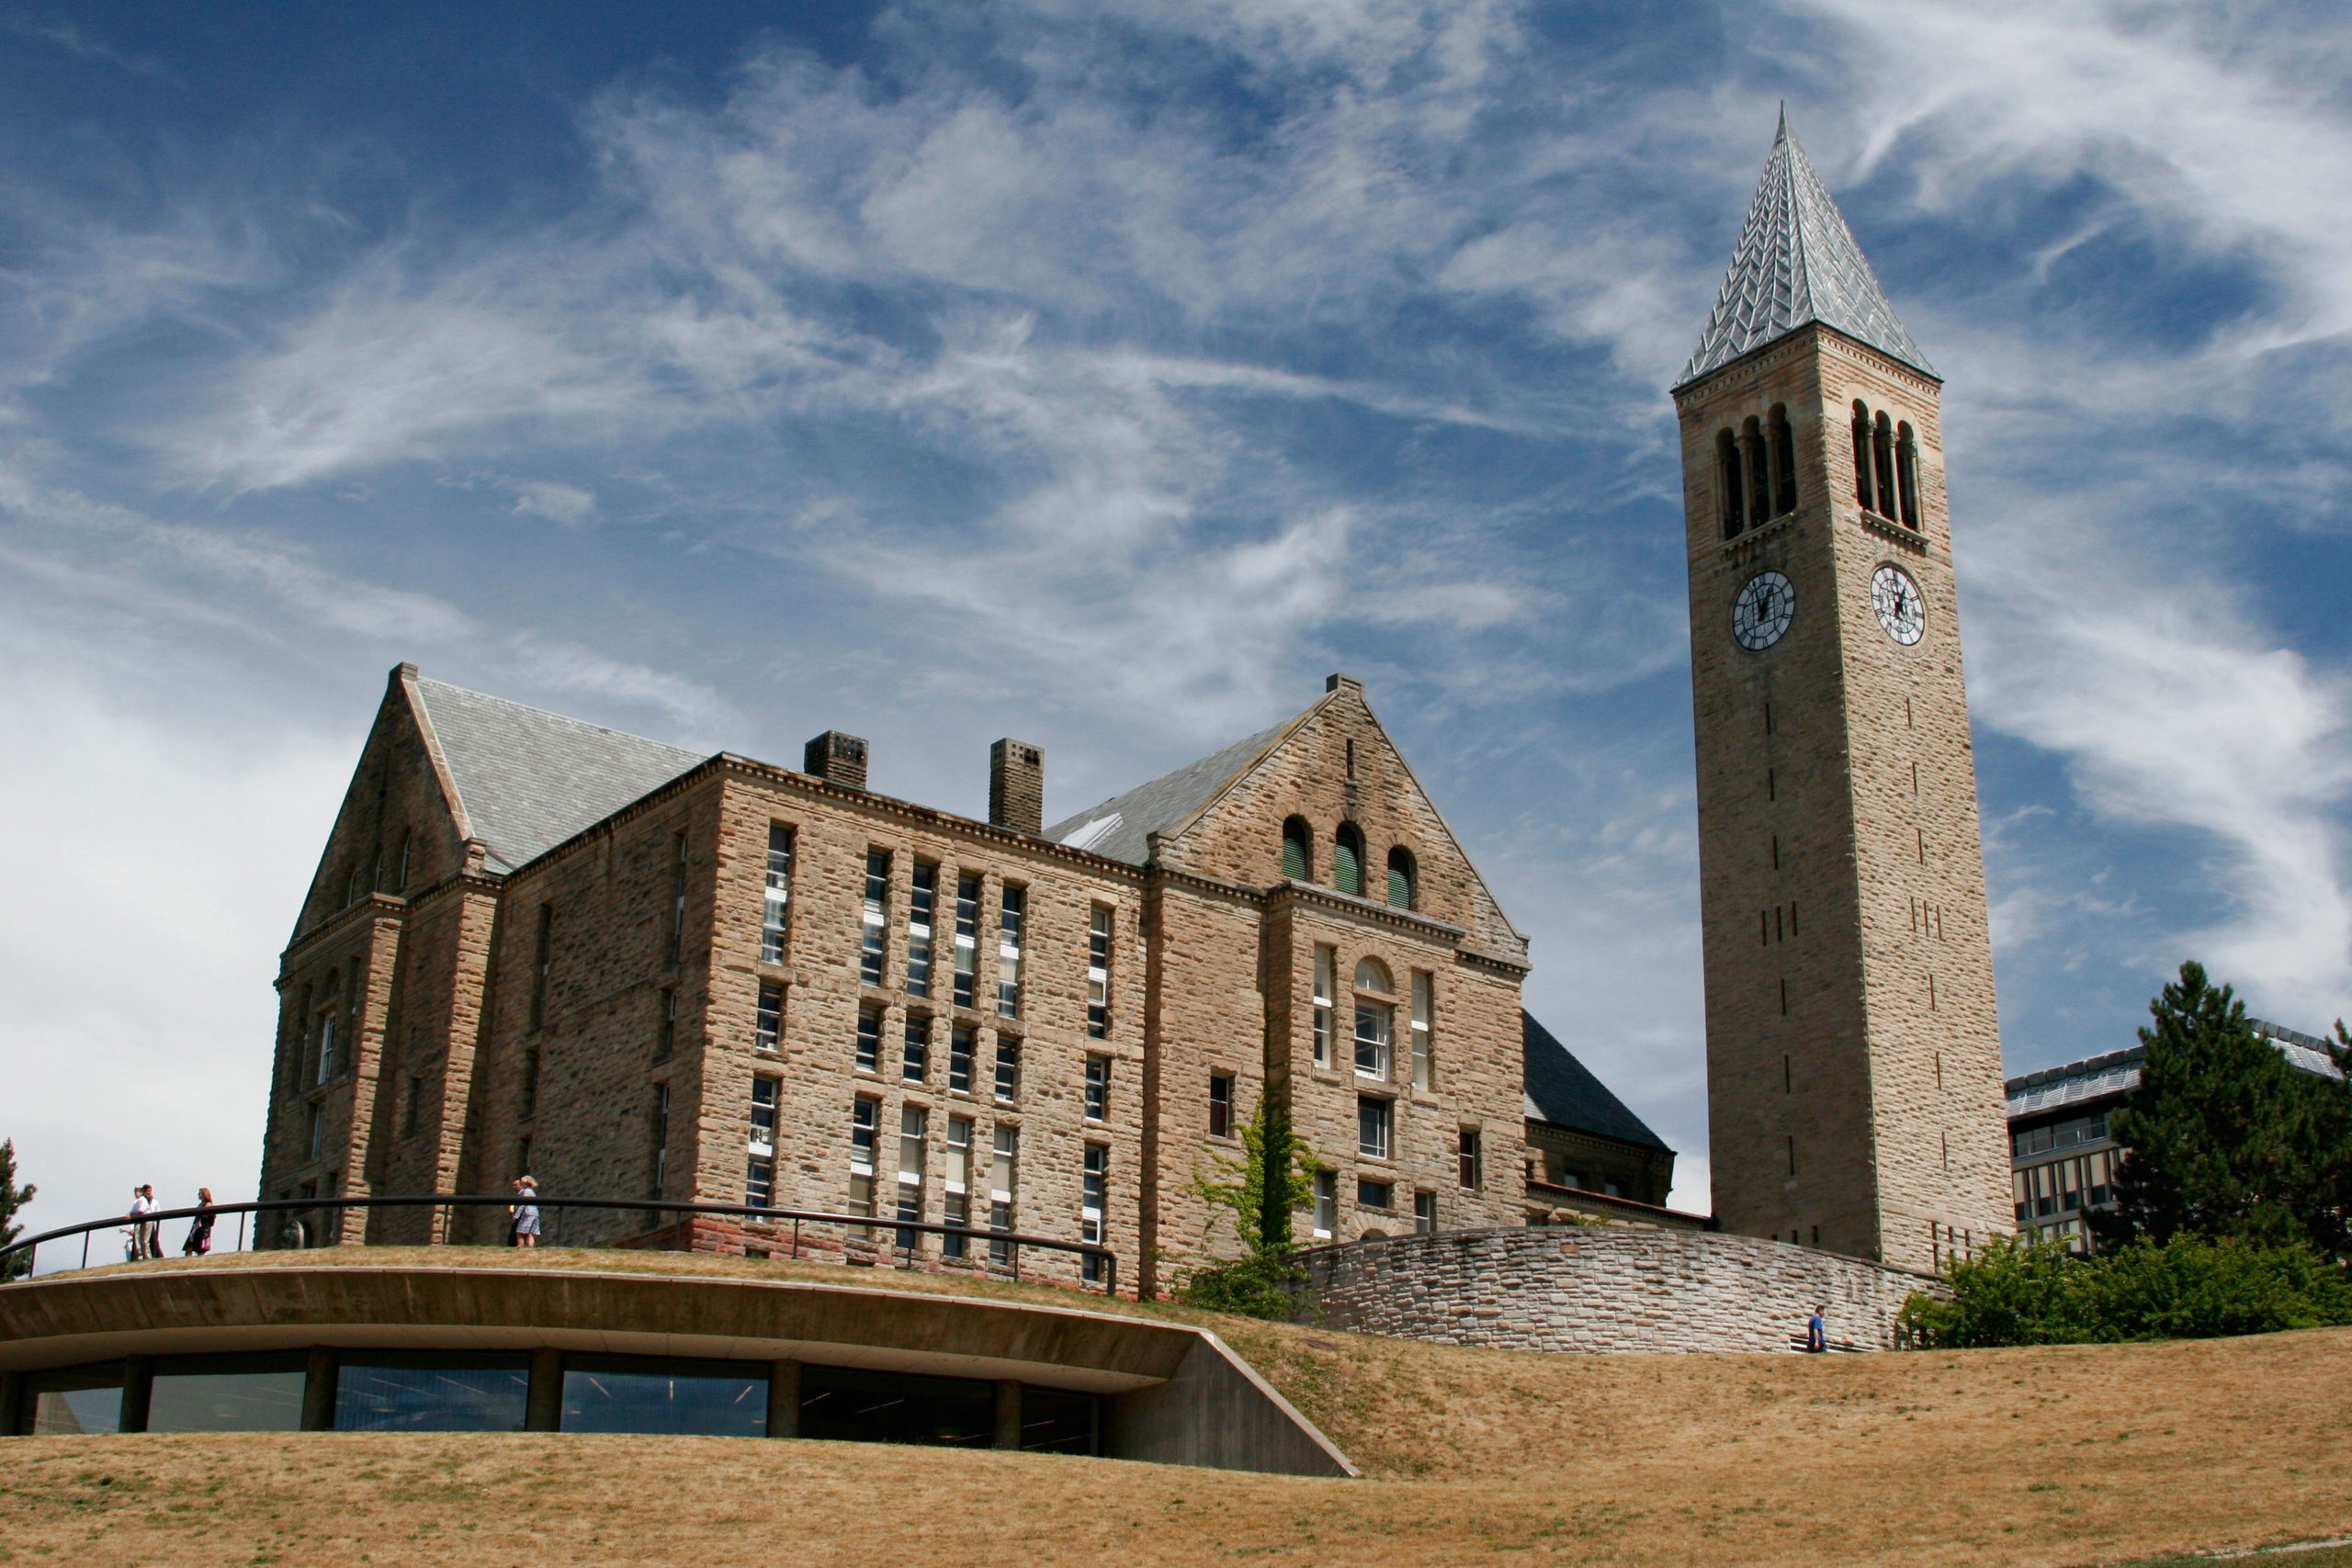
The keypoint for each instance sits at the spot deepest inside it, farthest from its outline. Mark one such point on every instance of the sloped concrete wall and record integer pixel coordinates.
(1598, 1289)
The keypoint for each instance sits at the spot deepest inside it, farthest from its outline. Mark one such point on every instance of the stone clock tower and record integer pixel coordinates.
(1853, 1055)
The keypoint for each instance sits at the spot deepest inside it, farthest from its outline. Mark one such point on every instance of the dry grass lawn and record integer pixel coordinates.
(2080, 1455)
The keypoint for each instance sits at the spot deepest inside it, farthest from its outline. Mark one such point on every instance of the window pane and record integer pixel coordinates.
(228, 1393)
(621, 1393)
(73, 1400)
(388, 1390)
(849, 1405)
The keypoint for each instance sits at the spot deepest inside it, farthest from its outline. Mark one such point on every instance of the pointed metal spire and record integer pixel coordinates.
(1797, 263)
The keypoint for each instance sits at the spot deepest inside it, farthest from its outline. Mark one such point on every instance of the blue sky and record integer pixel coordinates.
(1104, 375)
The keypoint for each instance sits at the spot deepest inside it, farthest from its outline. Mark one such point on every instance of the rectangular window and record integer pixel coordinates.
(914, 1131)
(1373, 1116)
(1000, 1189)
(540, 960)
(326, 1045)
(1098, 1089)
(1473, 1174)
(677, 896)
(1326, 962)
(869, 1040)
(415, 1107)
(1375, 1024)
(914, 1066)
(957, 1189)
(530, 1096)
(1424, 1031)
(878, 916)
(657, 1168)
(775, 913)
(314, 1139)
(763, 1110)
(1327, 1202)
(758, 1181)
(767, 1028)
(1094, 1185)
(1008, 951)
(665, 1036)
(959, 1058)
(1008, 1071)
(864, 1132)
(2099, 1191)
(1098, 973)
(967, 939)
(1376, 1194)
(1220, 1105)
(1425, 1214)
(920, 905)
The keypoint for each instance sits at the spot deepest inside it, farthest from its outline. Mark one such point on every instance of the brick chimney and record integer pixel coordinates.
(837, 758)
(1017, 786)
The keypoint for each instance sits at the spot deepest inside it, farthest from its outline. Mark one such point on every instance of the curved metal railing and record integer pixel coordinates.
(1104, 1270)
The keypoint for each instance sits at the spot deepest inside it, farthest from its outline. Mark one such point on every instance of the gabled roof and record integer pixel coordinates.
(1563, 1092)
(1121, 828)
(1797, 263)
(528, 779)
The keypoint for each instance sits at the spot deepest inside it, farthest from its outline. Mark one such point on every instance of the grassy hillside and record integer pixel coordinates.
(2076, 1455)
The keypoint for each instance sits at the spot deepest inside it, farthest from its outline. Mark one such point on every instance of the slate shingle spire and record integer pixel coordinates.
(1797, 263)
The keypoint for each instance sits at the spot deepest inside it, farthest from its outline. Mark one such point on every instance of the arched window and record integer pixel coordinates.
(1734, 494)
(1348, 861)
(1760, 483)
(1883, 455)
(1403, 882)
(1299, 850)
(1862, 489)
(1784, 462)
(329, 1010)
(1906, 468)
(1375, 1019)
(408, 843)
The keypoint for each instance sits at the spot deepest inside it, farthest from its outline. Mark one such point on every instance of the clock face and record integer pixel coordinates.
(1900, 609)
(1762, 612)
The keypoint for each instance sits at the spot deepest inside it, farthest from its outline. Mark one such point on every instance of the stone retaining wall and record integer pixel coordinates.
(1598, 1288)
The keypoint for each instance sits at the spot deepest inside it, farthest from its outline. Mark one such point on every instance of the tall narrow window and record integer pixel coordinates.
(1094, 1197)
(1299, 850)
(767, 1026)
(1375, 1124)
(914, 1064)
(1906, 473)
(1326, 961)
(1735, 491)
(920, 903)
(877, 916)
(1220, 1105)
(1882, 461)
(1008, 1071)
(677, 896)
(408, 845)
(415, 1107)
(329, 1016)
(759, 1159)
(1863, 489)
(1008, 951)
(1003, 1174)
(530, 1095)
(1760, 478)
(1098, 973)
(665, 1026)
(1327, 1202)
(764, 1109)
(315, 1139)
(1404, 881)
(959, 1058)
(967, 939)
(775, 912)
(657, 1168)
(869, 1040)
(1471, 1156)
(864, 1132)
(1424, 1031)
(1784, 462)
(1375, 1019)
(956, 1185)
(540, 963)
(1098, 1089)
(1425, 1214)
(1347, 859)
(914, 1128)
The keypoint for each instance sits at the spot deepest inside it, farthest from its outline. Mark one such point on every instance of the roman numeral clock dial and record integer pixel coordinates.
(1901, 612)
(1761, 613)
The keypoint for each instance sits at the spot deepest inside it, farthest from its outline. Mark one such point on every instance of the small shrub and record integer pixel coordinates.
(1260, 1285)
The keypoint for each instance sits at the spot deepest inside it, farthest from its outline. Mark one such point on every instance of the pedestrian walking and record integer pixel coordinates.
(143, 1231)
(199, 1229)
(1817, 1333)
(525, 1213)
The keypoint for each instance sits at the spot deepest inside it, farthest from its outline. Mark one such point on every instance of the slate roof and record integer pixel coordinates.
(1563, 1092)
(528, 779)
(1797, 263)
(2116, 1073)
(1120, 829)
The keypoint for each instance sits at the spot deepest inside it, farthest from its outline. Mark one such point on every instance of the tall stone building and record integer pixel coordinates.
(1853, 1055)
(535, 945)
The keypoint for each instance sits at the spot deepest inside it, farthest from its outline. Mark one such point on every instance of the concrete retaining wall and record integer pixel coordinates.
(1603, 1288)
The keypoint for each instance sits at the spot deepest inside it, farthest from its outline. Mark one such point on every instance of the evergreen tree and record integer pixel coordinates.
(2324, 1153)
(12, 1198)
(2210, 1137)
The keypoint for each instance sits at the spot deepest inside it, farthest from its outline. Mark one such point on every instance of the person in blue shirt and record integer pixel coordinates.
(1816, 1334)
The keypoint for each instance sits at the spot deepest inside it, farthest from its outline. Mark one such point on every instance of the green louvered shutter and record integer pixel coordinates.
(1293, 854)
(1350, 863)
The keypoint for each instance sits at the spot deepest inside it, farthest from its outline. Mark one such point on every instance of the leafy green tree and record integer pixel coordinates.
(2324, 1153)
(12, 1198)
(1274, 1176)
(2210, 1139)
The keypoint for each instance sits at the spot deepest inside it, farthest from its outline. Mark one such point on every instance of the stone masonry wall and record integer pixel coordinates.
(1602, 1289)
